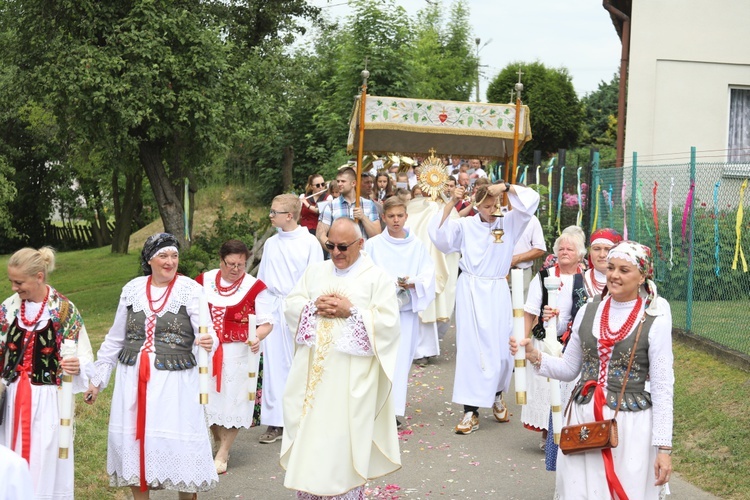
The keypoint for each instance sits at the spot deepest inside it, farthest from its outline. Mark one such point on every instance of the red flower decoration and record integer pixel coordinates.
(48, 350)
(238, 316)
(12, 347)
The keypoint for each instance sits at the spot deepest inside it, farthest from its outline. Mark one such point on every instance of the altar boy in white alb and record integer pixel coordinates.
(400, 254)
(286, 255)
(483, 307)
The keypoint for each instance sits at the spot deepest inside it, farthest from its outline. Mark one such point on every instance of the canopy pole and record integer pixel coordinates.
(360, 151)
(519, 89)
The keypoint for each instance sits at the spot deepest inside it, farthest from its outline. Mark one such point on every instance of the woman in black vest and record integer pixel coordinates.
(157, 431)
(629, 318)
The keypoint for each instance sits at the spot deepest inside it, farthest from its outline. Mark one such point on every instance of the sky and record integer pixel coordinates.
(576, 34)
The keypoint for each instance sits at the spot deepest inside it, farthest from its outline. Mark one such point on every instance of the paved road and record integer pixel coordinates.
(500, 461)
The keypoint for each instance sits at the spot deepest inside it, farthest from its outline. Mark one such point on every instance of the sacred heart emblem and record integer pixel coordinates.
(584, 434)
(443, 116)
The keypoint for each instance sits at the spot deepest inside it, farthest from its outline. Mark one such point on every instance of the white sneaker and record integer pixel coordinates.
(499, 410)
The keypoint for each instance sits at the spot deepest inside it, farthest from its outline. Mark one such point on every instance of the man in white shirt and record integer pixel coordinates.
(529, 247)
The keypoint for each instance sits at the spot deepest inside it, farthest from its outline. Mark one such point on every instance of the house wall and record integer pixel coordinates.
(685, 56)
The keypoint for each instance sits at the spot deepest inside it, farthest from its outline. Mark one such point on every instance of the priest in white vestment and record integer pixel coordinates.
(339, 425)
(286, 255)
(400, 254)
(437, 316)
(483, 307)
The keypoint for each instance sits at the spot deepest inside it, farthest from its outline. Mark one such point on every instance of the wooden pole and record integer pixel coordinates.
(360, 151)
(515, 140)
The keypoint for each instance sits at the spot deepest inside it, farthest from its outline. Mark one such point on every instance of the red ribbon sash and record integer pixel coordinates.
(216, 365)
(22, 415)
(613, 482)
(144, 375)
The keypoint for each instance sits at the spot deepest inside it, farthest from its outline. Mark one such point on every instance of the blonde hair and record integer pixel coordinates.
(289, 203)
(393, 202)
(30, 261)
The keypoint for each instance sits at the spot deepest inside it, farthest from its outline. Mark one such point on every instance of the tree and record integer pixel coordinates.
(556, 113)
(163, 83)
(600, 114)
(444, 63)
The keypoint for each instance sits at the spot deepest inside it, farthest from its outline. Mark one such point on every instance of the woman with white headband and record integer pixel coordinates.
(157, 432)
(604, 334)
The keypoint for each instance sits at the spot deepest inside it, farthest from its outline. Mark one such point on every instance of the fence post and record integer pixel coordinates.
(691, 248)
(633, 199)
(593, 194)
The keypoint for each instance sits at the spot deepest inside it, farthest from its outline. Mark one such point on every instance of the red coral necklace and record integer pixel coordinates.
(164, 296)
(606, 333)
(38, 315)
(226, 291)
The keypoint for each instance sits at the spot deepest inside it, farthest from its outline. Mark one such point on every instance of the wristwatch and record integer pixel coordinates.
(505, 183)
(665, 451)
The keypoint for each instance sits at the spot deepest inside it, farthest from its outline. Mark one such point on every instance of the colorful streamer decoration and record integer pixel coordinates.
(610, 205)
(670, 221)
(597, 194)
(686, 212)
(655, 210)
(716, 226)
(624, 211)
(579, 216)
(559, 199)
(525, 174)
(643, 208)
(738, 228)
(537, 183)
(186, 207)
(549, 195)
(518, 167)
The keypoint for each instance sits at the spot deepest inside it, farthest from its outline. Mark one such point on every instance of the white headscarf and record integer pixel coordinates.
(640, 256)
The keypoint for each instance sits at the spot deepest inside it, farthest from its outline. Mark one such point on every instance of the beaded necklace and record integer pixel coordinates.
(164, 296)
(557, 273)
(226, 291)
(605, 333)
(38, 315)
(595, 285)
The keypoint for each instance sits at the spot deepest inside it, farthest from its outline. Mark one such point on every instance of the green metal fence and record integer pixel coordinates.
(691, 215)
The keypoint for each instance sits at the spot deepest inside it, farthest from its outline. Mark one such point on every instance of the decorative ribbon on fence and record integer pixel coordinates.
(670, 221)
(643, 208)
(716, 226)
(624, 212)
(655, 210)
(597, 194)
(549, 195)
(610, 205)
(525, 174)
(579, 216)
(559, 200)
(186, 206)
(686, 213)
(738, 229)
(518, 167)
(537, 183)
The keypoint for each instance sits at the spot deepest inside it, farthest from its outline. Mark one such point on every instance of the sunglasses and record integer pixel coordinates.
(342, 248)
(319, 185)
(274, 213)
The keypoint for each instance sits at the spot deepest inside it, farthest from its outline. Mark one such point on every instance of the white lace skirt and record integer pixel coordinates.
(231, 407)
(178, 451)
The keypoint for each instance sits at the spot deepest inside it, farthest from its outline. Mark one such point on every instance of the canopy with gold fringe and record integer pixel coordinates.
(414, 126)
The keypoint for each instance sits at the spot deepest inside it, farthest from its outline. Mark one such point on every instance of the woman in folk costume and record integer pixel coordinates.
(232, 295)
(601, 242)
(400, 254)
(569, 250)
(35, 323)
(628, 318)
(483, 308)
(157, 430)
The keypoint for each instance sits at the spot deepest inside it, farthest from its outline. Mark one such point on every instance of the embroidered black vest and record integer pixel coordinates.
(45, 360)
(636, 397)
(173, 340)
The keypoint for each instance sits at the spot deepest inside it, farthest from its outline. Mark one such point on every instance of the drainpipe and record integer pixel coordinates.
(624, 59)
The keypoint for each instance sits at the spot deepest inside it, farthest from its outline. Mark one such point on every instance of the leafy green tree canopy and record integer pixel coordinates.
(556, 112)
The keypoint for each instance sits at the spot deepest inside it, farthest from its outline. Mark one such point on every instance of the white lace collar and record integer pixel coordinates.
(184, 290)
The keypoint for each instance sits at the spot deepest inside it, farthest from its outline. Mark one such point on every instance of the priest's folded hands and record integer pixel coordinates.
(333, 306)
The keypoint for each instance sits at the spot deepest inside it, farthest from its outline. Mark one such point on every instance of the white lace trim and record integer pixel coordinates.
(660, 372)
(354, 339)
(262, 319)
(357, 493)
(307, 324)
(102, 373)
(184, 290)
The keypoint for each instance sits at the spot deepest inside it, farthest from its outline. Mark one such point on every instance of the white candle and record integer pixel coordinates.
(516, 280)
(551, 345)
(555, 402)
(203, 378)
(68, 349)
(253, 359)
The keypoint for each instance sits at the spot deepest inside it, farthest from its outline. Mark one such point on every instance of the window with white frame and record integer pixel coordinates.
(739, 125)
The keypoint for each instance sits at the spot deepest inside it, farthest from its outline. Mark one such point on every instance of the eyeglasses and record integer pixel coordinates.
(240, 265)
(274, 213)
(319, 185)
(342, 248)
